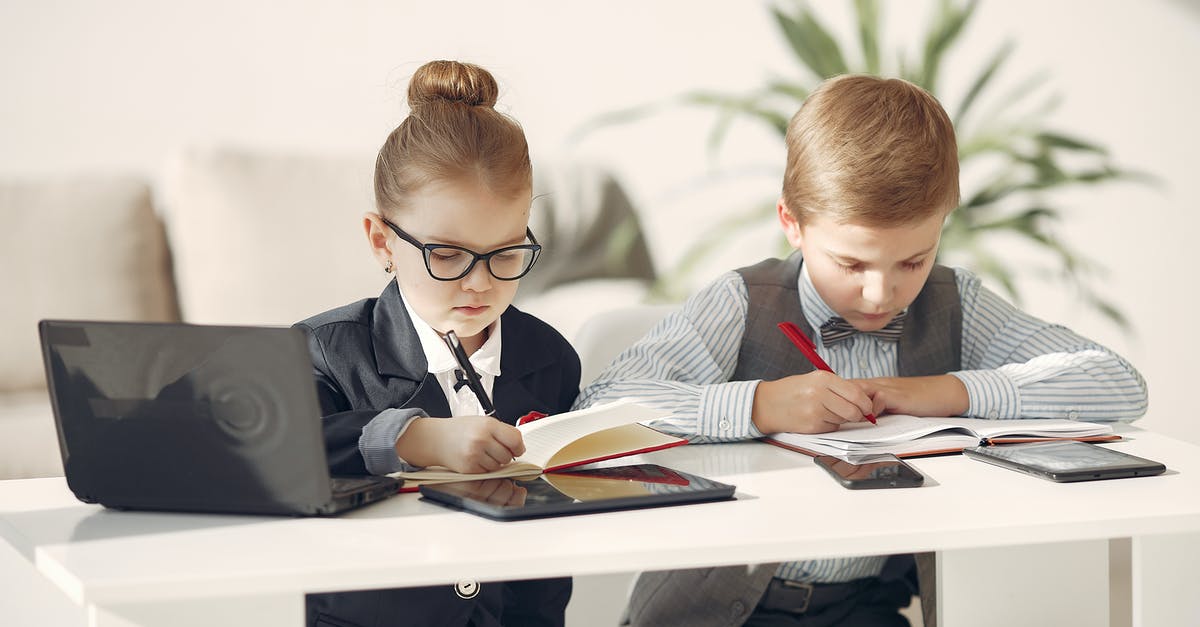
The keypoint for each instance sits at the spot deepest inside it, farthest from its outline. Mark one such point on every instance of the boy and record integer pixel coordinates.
(872, 173)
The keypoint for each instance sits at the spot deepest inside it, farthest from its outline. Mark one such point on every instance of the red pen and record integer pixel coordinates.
(809, 349)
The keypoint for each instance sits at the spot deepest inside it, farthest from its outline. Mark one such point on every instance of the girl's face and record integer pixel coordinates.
(460, 213)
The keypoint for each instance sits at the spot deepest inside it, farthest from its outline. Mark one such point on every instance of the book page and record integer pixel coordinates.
(900, 434)
(1036, 427)
(546, 437)
(890, 428)
(610, 442)
(435, 474)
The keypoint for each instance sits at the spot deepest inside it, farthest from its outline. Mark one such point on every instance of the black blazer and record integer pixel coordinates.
(367, 358)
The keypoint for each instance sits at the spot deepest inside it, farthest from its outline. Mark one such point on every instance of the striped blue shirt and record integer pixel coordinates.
(1014, 366)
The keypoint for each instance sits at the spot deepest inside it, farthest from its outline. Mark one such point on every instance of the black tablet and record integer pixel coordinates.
(1066, 461)
(577, 492)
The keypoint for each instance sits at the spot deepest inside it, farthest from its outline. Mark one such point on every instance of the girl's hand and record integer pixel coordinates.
(817, 402)
(466, 444)
(941, 395)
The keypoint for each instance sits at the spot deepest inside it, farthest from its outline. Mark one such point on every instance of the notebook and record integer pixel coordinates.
(912, 436)
(182, 417)
(570, 439)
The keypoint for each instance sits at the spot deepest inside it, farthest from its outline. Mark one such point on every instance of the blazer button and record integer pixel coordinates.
(737, 608)
(466, 589)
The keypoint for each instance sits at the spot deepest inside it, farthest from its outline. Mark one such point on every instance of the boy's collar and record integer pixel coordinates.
(816, 312)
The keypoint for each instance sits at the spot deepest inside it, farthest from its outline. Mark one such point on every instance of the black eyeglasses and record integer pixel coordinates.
(450, 263)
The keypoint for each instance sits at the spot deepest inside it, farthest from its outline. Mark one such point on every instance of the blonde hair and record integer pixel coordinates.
(453, 132)
(879, 152)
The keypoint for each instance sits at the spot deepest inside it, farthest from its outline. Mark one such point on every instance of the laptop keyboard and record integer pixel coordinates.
(342, 485)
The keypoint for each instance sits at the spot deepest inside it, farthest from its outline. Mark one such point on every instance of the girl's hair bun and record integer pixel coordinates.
(452, 81)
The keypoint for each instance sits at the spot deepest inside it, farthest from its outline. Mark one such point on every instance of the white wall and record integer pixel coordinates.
(119, 85)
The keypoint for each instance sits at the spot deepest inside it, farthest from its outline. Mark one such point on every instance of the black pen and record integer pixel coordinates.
(468, 374)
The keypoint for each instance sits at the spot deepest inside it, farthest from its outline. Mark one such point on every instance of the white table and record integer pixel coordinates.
(105, 567)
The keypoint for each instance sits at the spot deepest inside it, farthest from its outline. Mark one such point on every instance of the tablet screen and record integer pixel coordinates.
(577, 492)
(1067, 461)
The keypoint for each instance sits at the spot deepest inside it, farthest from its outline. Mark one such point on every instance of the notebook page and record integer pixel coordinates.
(544, 437)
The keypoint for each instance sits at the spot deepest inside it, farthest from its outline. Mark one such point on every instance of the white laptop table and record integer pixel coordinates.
(65, 562)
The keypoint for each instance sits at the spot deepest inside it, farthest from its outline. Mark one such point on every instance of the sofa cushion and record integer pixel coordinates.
(260, 238)
(28, 437)
(86, 247)
(587, 226)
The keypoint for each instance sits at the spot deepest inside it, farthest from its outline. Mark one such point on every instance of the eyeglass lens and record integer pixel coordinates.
(450, 263)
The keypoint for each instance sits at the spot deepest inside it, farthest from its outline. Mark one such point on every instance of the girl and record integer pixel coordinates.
(453, 187)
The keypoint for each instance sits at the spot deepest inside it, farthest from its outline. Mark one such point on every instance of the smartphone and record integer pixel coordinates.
(864, 472)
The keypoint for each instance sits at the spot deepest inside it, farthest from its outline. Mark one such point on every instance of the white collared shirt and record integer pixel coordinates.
(486, 362)
(1013, 366)
(378, 441)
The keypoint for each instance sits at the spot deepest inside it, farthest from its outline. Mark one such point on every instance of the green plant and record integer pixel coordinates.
(1019, 162)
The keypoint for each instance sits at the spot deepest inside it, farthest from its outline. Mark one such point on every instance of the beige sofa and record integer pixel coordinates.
(234, 236)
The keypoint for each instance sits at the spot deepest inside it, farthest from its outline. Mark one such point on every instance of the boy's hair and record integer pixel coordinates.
(874, 151)
(453, 132)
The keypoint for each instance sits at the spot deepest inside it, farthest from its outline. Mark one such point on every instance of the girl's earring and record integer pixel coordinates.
(388, 267)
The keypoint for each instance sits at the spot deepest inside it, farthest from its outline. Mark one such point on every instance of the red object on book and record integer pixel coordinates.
(530, 417)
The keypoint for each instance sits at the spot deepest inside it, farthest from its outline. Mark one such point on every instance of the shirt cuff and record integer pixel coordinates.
(725, 411)
(377, 444)
(991, 394)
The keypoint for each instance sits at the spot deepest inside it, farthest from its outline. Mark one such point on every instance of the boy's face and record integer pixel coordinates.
(867, 274)
(460, 213)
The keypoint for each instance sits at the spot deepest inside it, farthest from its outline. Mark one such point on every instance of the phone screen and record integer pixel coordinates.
(871, 471)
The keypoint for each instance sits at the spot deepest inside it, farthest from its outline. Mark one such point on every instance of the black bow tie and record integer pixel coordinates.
(837, 330)
(460, 379)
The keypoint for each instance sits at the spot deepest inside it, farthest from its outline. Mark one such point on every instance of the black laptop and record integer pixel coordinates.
(183, 417)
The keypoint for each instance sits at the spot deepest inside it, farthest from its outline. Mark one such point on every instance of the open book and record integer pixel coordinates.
(910, 436)
(572, 439)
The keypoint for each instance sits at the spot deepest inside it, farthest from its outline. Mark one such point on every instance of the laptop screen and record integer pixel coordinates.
(180, 416)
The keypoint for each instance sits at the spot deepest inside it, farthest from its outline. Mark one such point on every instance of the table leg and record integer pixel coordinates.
(1120, 582)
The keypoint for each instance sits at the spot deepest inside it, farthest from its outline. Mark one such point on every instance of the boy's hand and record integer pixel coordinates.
(817, 402)
(467, 444)
(941, 395)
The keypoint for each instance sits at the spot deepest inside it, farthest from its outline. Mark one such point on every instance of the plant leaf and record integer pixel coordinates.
(868, 33)
(1058, 140)
(733, 106)
(948, 24)
(614, 118)
(810, 40)
(981, 82)
(715, 236)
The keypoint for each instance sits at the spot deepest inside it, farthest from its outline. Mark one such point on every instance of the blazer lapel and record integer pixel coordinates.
(398, 354)
(519, 360)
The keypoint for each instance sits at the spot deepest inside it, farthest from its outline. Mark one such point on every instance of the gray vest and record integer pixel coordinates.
(930, 344)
